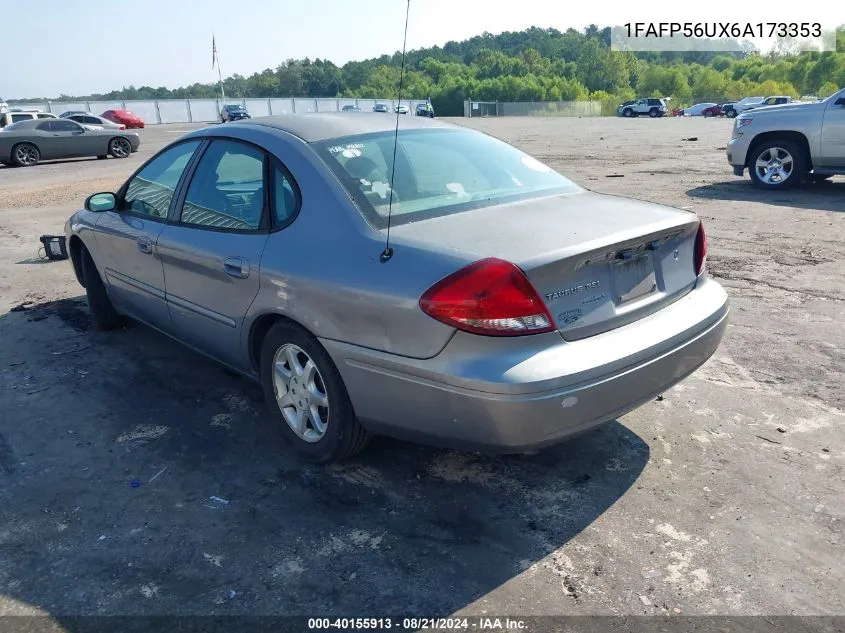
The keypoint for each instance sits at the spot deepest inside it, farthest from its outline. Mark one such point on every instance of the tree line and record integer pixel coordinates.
(531, 65)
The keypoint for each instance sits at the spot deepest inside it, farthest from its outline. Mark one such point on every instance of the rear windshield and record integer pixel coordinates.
(438, 172)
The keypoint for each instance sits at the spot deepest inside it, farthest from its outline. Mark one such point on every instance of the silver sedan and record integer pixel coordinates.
(472, 297)
(26, 143)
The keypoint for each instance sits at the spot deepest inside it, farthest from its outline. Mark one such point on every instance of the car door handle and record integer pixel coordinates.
(236, 267)
(145, 245)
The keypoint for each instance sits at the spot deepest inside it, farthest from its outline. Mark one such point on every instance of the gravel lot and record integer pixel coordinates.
(724, 497)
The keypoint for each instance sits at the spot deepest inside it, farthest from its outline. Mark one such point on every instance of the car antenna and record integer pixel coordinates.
(387, 253)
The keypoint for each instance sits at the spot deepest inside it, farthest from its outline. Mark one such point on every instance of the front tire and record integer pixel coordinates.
(707, 114)
(628, 112)
(730, 113)
(105, 316)
(306, 396)
(777, 165)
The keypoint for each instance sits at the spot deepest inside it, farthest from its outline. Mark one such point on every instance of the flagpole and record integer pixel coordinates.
(215, 60)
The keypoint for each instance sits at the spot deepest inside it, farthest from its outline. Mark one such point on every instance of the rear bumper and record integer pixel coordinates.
(531, 393)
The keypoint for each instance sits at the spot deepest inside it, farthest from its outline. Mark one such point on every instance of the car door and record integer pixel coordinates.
(127, 237)
(833, 132)
(69, 139)
(212, 249)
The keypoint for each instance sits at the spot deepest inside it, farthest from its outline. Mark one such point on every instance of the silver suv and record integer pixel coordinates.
(783, 145)
(651, 107)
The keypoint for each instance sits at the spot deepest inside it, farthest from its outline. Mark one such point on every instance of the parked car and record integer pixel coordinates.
(769, 101)
(381, 107)
(124, 117)
(698, 109)
(69, 113)
(783, 145)
(747, 102)
(233, 112)
(92, 120)
(255, 245)
(350, 108)
(729, 109)
(713, 110)
(401, 109)
(25, 143)
(16, 115)
(425, 109)
(651, 107)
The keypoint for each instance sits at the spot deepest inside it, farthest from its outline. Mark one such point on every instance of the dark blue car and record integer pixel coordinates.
(233, 112)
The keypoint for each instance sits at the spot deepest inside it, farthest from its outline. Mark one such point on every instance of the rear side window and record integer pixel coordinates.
(150, 191)
(285, 196)
(21, 117)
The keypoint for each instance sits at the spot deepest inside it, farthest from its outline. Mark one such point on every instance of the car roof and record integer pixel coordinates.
(312, 127)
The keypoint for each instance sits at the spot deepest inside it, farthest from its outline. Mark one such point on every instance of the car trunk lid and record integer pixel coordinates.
(598, 261)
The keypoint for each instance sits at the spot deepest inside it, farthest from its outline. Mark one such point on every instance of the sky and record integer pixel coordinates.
(88, 46)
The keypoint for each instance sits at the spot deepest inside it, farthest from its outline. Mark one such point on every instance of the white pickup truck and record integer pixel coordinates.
(783, 145)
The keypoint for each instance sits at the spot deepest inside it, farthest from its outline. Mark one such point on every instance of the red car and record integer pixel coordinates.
(124, 117)
(715, 110)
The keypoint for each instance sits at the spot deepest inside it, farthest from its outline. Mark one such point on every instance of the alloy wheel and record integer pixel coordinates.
(120, 147)
(300, 393)
(774, 166)
(26, 155)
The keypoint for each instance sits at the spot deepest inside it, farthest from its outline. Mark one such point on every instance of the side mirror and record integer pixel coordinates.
(100, 202)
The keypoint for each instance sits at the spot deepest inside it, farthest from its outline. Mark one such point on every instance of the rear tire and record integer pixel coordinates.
(342, 436)
(105, 316)
(25, 155)
(654, 113)
(119, 147)
(730, 113)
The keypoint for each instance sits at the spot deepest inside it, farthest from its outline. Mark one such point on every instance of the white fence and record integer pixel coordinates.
(205, 110)
(532, 108)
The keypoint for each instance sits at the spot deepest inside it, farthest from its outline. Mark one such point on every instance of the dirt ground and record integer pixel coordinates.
(724, 497)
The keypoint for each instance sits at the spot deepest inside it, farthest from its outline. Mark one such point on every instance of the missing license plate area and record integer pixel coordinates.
(634, 278)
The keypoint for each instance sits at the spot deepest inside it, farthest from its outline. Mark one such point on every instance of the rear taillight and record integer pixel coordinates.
(491, 297)
(700, 254)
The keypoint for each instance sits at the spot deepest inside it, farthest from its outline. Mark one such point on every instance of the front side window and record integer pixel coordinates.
(64, 125)
(438, 172)
(150, 191)
(227, 188)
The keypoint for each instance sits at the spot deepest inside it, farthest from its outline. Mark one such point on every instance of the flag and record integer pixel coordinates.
(213, 51)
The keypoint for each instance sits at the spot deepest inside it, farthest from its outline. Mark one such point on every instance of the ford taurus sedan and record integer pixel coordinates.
(25, 143)
(473, 297)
